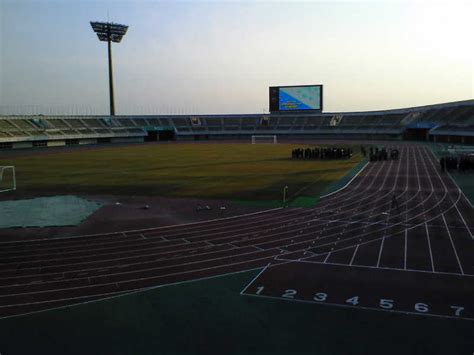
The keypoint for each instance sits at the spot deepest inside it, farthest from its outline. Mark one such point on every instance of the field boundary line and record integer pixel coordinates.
(127, 293)
(350, 181)
(145, 229)
(407, 313)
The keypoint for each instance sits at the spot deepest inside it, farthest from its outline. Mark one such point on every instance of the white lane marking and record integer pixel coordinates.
(342, 188)
(465, 224)
(148, 229)
(133, 280)
(326, 258)
(256, 277)
(126, 293)
(429, 247)
(452, 244)
(405, 254)
(380, 251)
(358, 307)
(354, 255)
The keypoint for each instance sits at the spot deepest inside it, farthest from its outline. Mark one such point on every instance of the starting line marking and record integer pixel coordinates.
(366, 288)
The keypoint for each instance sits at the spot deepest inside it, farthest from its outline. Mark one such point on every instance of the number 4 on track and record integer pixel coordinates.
(353, 300)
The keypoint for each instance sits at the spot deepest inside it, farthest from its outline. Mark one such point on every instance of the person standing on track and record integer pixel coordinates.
(395, 203)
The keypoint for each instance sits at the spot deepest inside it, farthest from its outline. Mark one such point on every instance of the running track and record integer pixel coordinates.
(431, 232)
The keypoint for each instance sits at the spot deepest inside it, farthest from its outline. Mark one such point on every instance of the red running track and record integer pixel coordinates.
(431, 231)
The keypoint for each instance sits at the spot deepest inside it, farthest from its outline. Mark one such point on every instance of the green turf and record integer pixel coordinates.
(227, 171)
(211, 317)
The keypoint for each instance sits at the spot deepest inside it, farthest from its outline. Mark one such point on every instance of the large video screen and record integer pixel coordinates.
(296, 98)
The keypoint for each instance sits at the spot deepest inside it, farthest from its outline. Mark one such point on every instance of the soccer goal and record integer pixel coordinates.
(7, 178)
(264, 139)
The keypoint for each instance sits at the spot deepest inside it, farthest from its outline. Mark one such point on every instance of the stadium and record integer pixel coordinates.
(294, 231)
(443, 123)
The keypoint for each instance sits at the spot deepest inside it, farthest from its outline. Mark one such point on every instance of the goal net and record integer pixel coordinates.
(7, 178)
(264, 139)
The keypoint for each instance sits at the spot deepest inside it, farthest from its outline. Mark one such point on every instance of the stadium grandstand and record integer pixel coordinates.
(449, 122)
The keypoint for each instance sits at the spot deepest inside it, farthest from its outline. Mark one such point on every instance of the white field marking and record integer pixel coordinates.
(126, 293)
(326, 259)
(256, 277)
(75, 251)
(152, 229)
(359, 202)
(374, 208)
(307, 186)
(405, 254)
(143, 270)
(342, 188)
(429, 247)
(380, 268)
(380, 251)
(161, 236)
(459, 191)
(455, 183)
(323, 244)
(452, 244)
(366, 233)
(426, 224)
(168, 246)
(465, 224)
(357, 307)
(147, 229)
(257, 227)
(341, 197)
(132, 280)
(141, 256)
(374, 240)
(353, 255)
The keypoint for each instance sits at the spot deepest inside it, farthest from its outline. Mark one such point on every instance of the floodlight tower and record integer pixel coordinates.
(110, 32)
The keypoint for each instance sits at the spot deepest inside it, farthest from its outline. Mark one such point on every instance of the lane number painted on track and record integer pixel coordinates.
(384, 303)
(290, 293)
(353, 300)
(320, 297)
(387, 304)
(457, 311)
(421, 307)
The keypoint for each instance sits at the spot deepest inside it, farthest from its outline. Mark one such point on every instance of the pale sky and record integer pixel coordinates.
(221, 56)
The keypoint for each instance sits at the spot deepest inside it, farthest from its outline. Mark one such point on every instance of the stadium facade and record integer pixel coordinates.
(449, 122)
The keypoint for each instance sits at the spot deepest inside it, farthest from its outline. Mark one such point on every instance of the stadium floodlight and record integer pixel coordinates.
(110, 32)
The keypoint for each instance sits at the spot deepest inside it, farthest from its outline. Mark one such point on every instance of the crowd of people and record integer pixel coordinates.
(322, 153)
(376, 154)
(464, 163)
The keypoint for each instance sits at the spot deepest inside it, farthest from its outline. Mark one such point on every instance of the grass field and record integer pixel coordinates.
(224, 171)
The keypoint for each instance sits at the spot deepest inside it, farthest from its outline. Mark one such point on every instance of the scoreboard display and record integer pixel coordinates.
(296, 98)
